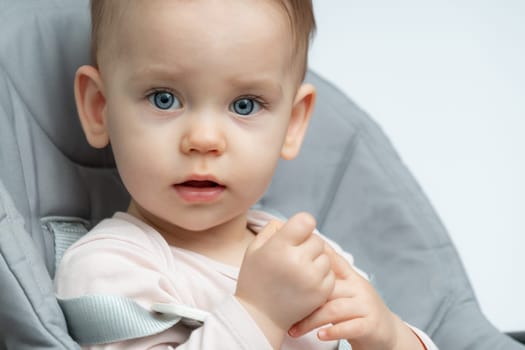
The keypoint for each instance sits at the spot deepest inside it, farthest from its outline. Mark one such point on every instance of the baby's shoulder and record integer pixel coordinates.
(111, 258)
(119, 236)
(116, 230)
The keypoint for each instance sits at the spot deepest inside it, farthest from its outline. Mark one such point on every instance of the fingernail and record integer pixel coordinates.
(322, 334)
(293, 331)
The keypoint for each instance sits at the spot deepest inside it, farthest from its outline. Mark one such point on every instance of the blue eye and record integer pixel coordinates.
(164, 100)
(245, 106)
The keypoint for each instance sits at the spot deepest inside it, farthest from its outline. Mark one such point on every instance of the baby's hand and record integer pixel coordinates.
(358, 314)
(285, 275)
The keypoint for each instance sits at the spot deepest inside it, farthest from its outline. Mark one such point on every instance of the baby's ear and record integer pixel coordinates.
(301, 112)
(91, 105)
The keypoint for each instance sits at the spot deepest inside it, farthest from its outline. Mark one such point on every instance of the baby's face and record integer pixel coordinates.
(198, 104)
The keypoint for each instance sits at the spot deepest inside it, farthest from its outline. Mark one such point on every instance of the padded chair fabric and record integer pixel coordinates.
(348, 176)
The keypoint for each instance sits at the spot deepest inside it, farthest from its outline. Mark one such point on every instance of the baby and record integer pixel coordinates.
(199, 99)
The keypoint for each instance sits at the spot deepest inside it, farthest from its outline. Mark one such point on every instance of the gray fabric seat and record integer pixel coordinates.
(348, 176)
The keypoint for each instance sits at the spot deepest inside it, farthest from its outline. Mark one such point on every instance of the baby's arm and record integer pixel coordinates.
(285, 276)
(357, 313)
(110, 265)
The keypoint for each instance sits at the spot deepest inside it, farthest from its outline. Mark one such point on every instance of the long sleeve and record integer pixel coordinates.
(134, 266)
(429, 344)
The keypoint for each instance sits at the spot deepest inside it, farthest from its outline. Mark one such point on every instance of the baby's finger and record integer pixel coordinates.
(333, 312)
(266, 233)
(298, 228)
(313, 247)
(321, 265)
(352, 329)
(342, 289)
(341, 267)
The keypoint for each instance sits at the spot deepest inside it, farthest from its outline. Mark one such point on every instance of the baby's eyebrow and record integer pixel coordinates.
(242, 82)
(262, 84)
(150, 73)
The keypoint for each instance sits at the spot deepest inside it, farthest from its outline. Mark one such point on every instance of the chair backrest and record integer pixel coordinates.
(347, 175)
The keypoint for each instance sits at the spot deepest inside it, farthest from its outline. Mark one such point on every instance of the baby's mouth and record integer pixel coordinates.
(199, 191)
(199, 184)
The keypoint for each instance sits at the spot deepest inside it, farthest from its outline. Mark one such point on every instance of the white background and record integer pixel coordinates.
(446, 81)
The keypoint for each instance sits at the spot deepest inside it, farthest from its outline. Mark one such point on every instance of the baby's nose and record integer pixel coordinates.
(204, 135)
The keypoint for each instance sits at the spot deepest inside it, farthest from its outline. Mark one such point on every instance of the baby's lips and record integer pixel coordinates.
(200, 184)
(200, 181)
(199, 191)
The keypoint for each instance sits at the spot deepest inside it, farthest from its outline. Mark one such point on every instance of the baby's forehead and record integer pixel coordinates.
(121, 17)
(117, 14)
(128, 22)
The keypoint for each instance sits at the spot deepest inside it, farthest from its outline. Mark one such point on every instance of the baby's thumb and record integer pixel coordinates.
(265, 234)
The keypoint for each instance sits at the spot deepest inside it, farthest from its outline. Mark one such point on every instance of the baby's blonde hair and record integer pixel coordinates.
(299, 12)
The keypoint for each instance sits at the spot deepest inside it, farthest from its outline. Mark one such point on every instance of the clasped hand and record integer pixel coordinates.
(292, 281)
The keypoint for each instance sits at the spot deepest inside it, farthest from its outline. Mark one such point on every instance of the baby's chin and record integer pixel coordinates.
(200, 218)
(203, 225)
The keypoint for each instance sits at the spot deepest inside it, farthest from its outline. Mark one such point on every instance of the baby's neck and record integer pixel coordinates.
(214, 245)
(225, 243)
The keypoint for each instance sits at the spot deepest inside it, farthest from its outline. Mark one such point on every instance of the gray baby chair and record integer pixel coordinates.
(348, 176)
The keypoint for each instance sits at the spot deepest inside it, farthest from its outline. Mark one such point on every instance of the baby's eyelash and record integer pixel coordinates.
(156, 90)
(257, 98)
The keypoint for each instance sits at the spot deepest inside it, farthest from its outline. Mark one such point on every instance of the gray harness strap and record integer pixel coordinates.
(100, 319)
(65, 231)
